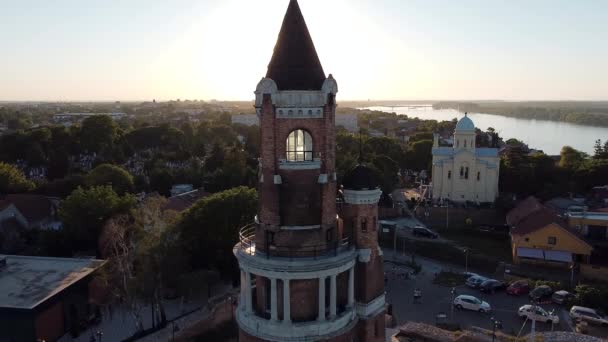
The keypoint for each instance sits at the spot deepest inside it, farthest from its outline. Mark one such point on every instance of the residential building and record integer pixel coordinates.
(68, 119)
(30, 211)
(349, 121)
(43, 298)
(306, 273)
(464, 172)
(179, 189)
(185, 200)
(540, 237)
(246, 119)
(594, 227)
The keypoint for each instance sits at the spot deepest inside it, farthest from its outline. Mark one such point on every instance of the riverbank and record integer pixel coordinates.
(578, 113)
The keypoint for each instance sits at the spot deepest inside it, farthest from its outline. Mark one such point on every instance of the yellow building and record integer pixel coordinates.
(594, 227)
(540, 237)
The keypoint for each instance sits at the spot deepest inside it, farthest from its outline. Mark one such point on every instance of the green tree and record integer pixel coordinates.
(106, 174)
(571, 158)
(209, 229)
(85, 211)
(98, 133)
(386, 171)
(419, 155)
(12, 180)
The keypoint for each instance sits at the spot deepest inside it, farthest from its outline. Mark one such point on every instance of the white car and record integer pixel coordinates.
(471, 303)
(587, 314)
(538, 314)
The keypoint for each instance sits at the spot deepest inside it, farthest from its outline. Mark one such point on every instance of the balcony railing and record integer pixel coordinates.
(247, 244)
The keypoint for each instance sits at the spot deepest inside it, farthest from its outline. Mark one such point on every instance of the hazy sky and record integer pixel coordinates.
(376, 49)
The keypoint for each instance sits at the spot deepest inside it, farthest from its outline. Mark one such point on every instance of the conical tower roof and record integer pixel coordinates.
(295, 64)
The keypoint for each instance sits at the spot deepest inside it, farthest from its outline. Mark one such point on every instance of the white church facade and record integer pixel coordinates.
(463, 172)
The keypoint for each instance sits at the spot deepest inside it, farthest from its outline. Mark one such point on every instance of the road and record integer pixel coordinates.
(437, 299)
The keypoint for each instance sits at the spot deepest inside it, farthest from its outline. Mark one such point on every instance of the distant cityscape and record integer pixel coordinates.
(296, 216)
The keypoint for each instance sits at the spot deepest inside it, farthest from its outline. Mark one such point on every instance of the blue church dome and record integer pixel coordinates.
(465, 124)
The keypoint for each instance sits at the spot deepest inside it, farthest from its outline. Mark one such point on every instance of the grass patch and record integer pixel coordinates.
(496, 245)
(450, 279)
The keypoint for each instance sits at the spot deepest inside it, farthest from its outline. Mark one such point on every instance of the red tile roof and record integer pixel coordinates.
(523, 210)
(537, 220)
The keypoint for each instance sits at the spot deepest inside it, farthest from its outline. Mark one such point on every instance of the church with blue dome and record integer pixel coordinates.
(463, 172)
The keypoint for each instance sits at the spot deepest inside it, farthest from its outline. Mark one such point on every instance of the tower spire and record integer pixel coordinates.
(295, 64)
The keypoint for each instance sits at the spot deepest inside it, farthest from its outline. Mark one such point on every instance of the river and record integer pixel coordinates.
(549, 136)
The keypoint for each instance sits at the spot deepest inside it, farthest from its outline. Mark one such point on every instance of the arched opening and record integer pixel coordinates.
(299, 146)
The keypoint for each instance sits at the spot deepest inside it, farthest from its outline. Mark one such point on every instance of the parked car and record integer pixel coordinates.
(424, 232)
(471, 303)
(586, 314)
(540, 293)
(538, 314)
(518, 288)
(560, 297)
(475, 281)
(492, 285)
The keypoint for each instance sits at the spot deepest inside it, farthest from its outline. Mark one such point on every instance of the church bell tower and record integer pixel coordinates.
(297, 264)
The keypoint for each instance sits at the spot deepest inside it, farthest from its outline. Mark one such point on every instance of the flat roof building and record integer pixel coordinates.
(42, 298)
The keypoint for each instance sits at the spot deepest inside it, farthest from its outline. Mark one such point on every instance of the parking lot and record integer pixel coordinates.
(437, 299)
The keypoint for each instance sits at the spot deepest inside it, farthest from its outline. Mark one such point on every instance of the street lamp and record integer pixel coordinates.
(453, 292)
(174, 329)
(496, 324)
(466, 260)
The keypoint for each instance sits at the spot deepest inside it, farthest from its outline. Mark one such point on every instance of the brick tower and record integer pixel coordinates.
(298, 261)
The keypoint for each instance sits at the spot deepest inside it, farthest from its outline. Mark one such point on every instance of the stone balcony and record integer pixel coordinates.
(301, 259)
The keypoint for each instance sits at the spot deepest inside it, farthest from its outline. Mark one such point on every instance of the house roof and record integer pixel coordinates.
(184, 201)
(27, 281)
(523, 210)
(537, 220)
(295, 64)
(32, 207)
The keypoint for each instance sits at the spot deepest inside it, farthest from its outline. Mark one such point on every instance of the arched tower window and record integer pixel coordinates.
(449, 174)
(478, 175)
(299, 146)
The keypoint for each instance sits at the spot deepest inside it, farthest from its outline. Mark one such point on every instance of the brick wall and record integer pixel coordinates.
(371, 330)
(300, 200)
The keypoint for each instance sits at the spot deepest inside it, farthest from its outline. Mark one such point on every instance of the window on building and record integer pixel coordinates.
(461, 171)
(552, 240)
(363, 224)
(330, 235)
(465, 144)
(466, 173)
(527, 239)
(299, 146)
(449, 174)
(478, 175)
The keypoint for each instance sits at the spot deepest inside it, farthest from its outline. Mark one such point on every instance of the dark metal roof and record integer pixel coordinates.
(360, 178)
(295, 64)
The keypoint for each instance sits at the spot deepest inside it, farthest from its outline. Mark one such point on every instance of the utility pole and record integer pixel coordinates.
(395, 241)
(452, 304)
(533, 332)
(447, 214)
(466, 260)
